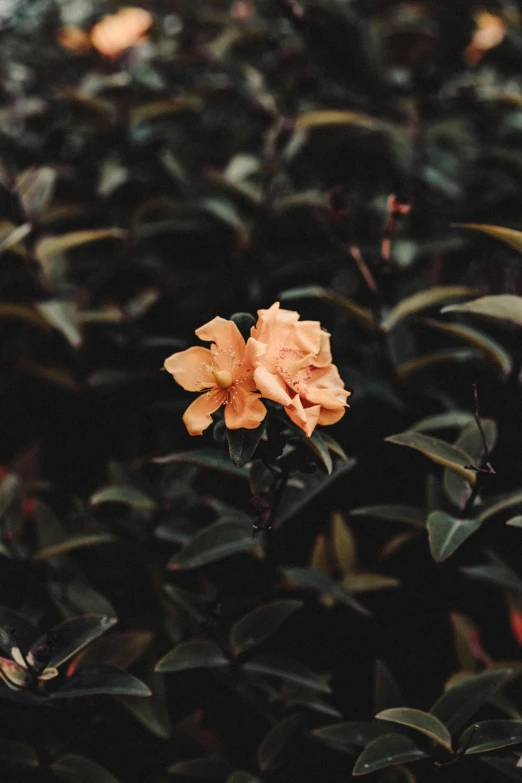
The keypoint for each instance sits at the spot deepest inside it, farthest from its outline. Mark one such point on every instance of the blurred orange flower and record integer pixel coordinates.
(74, 38)
(225, 375)
(117, 32)
(293, 366)
(490, 31)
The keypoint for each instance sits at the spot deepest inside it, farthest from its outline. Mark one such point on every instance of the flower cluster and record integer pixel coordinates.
(285, 360)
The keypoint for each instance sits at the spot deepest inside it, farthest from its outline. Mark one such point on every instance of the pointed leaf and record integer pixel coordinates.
(277, 743)
(461, 701)
(387, 692)
(73, 634)
(35, 188)
(287, 670)
(491, 735)
(497, 574)
(62, 314)
(438, 451)
(130, 496)
(365, 582)
(361, 315)
(515, 521)
(15, 631)
(447, 533)
(319, 118)
(385, 751)
(121, 649)
(428, 361)
(209, 768)
(504, 307)
(195, 654)
(344, 544)
(258, 625)
(73, 768)
(506, 766)
(409, 515)
(99, 679)
(498, 503)
(222, 539)
(430, 297)
(489, 347)
(242, 443)
(310, 577)
(205, 458)
(421, 721)
(507, 235)
(351, 734)
(71, 544)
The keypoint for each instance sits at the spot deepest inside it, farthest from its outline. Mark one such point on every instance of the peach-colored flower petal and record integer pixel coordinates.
(244, 409)
(197, 416)
(330, 416)
(224, 334)
(18, 657)
(117, 32)
(306, 418)
(48, 674)
(191, 368)
(271, 386)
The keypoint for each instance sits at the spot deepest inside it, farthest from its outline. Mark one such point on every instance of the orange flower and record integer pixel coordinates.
(117, 32)
(293, 366)
(225, 374)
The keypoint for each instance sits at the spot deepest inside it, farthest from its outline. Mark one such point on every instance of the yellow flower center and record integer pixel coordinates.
(223, 378)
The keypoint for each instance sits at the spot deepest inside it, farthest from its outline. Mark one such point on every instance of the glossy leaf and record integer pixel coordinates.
(491, 735)
(71, 544)
(316, 580)
(429, 361)
(222, 539)
(208, 768)
(503, 307)
(515, 521)
(506, 766)
(447, 533)
(73, 768)
(353, 310)
(351, 734)
(429, 297)
(386, 691)
(509, 236)
(344, 544)
(441, 421)
(385, 751)
(319, 118)
(73, 634)
(489, 347)
(287, 670)
(365, 582)
(456, 487)
(393, 512)
(418, 720)
(498, 574)
(62, 314)
(121, 649)
(242, 443)
(258, 625)
(98, 679)
(195, 654)
(15, 631)
(498, 503)
(152, 713)
(438, 451)
(276, 744)
(460, 702)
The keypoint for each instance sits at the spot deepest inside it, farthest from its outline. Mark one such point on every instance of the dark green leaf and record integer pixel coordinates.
(152, 713)
(195, 654)
(349, 735)
(447, 533)
(504, 307)
(438, 451)
(15, 631)
(506, 766)
(442, 421)
(491, 735)
(498, 574)
(507, 235)
(279, 741)
(461, 701)
(73, 634)
(242, 443)
(71, 544)
(515, 522)
(409, 515)
(387, 692)
(489, 347)
(121, 649)
(385, 751)
(428, 361)
(209, 768)
(430, 297)
(287, 670)
(205, 458)
(78, 769)
(421, 721)
(498, 503)
(98, 679)
(316, 580)
(129, 496)
(222, 539)
(359, 314)
(300, 491)
(194, 605)
(258, 625)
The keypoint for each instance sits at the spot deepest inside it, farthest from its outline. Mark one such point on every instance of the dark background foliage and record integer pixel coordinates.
(246, 152)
